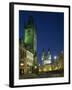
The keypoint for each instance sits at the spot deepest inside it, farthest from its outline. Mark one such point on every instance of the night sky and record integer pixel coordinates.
(50, 30)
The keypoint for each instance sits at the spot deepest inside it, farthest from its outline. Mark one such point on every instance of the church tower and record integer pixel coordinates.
(30, 38)
(46, 57)
(49, 56)
(43, 58)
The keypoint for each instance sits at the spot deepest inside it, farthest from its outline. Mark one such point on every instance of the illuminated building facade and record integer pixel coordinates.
(27, 49)
(57, 65)
(28, 60)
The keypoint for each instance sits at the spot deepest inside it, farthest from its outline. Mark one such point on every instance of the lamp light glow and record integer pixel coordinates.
(55, 57)
(21, 64)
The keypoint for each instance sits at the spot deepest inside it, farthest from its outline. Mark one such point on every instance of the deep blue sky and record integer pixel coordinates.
(50, 30)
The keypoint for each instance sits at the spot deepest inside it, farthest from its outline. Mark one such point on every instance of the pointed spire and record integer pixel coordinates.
(30, 21)
(43, 54)
(49, 54)
(49, 51)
